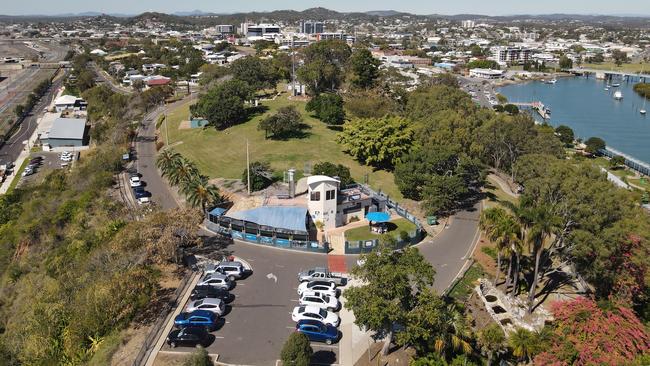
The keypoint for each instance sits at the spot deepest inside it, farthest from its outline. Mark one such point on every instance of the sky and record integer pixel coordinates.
(494, 7)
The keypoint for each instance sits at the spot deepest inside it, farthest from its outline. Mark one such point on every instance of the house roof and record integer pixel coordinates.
(314, 179)
(161, 81)
(68, 128)
(65, 99)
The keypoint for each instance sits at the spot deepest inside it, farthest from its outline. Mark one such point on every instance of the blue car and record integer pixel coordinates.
(140, 192)
(317, 331)
(203, 318)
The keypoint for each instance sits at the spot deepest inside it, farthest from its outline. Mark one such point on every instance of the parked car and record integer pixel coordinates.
(317, 331)
(201, 292)
(320, 286)
(216, 306)
(135, 181)
(312, 312)
(234, 270)
(188, 336)
(140, 192)
(217, 280)
(321, 274)
(27, 171)
(320, 300)
(143, 200)
(203, 318)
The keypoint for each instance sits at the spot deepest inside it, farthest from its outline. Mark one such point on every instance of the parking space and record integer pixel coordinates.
(41, 163)
(258, 321)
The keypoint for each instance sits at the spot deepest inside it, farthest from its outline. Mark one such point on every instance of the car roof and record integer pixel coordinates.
(194, 330)
(236, 264)
(204, 313)
(311, 309)
(319, 282)
(209, 300)
(309, 322)
(215, 275)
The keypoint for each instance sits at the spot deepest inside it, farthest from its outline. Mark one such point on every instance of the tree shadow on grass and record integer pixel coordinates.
(336, 128)
(252, 112)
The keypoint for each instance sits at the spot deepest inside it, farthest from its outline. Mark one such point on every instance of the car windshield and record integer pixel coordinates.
(198, 302)
(322, 313)
(301, 309)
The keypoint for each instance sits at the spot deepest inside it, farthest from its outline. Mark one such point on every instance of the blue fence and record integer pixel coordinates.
(630, 162)
(357, 247)
(309, 246)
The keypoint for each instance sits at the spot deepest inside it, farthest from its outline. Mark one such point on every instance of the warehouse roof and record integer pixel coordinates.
(68, 128)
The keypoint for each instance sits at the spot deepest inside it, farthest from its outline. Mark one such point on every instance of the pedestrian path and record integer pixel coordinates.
(336, 263)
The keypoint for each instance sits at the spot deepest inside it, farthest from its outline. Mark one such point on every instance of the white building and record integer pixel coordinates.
(511, 55)
(69, 102)
(486, 73)
(468, 24)
(98, 52)
(322, 200)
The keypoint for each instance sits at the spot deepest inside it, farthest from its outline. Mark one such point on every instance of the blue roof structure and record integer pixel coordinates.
(281, 217)
(378, 217)
(217, 211)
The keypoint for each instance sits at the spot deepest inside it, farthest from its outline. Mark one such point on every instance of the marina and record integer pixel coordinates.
(591, 107)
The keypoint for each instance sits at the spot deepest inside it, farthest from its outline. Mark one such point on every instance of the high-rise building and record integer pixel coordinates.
(511, 55)
(468, 24)
(311, 27)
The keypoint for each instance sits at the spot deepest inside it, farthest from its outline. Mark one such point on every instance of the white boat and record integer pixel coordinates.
(606, 89)
(618, 95)
(616, 85)
(642, 110)
(552, 81)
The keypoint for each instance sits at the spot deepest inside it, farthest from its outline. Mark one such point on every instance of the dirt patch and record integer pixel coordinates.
(397, 357)
(480, 318)
(185, 125)
(131, 343)
(170, 359)
(488, 264)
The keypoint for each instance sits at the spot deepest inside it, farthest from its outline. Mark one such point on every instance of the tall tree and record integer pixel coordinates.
(492, 341)
(256, 72)
(202, 194)
(364, 67)
(323, 62)
(297, 350)
(167, 160)
(286, 122)
(328, 107)
(334, 170)
(543, 222)
(391, 281)
(379, 142)
(223, 105)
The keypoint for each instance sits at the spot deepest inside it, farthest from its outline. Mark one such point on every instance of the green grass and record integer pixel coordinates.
(363, 233)
(223, 153)
(495, 195)
(110, 344)
(17, 175)
(464, 287)
(610, 66)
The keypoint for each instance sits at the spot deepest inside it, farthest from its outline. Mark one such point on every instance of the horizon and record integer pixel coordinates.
(415, 7)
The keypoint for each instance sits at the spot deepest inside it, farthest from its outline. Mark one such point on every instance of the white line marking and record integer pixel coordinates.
(271, 276)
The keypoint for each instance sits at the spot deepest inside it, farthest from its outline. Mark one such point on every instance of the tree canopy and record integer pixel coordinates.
(364, 68)
(323, 65)
(284, 123)
(334, 170)
(328, 107)
(223, 105)
(256, 72)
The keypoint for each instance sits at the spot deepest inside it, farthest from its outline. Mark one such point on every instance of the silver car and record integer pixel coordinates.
(210, 304)
(217, 280)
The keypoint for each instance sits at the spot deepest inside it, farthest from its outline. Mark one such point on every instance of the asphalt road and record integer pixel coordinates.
(12, 148)
(108, 81)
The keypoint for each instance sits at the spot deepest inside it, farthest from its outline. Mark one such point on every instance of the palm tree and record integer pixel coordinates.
(182, 173)
(455, 334)
(543, 224)
(523, 343)
(490, 222)
(167, 160)
(512, 276)
(491, 340)
(201, 194)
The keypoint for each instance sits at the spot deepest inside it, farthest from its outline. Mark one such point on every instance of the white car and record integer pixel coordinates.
(312, 312)
(143, 200)
(319, 299)
(217, 280)
(325, 287)
(210, 304)
(135, 181)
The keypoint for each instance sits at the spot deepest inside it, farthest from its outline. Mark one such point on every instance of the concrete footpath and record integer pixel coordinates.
(354, 342)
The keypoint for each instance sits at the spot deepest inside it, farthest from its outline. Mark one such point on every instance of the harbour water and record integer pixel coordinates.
(584, 105)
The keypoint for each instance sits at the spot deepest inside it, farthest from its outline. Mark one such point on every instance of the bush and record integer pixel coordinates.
(260, 175)
(286, 122)
(334, 170)
(199, 357)
(328, 108)
(297, 350)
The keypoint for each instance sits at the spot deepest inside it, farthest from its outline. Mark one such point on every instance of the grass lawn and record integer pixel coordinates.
(495, 195)
(18, 175)
(461, 290)
(610, 66)
(394, 229)
(223, 153)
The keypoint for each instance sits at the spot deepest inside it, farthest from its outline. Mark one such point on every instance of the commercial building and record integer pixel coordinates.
(486, 73)
(224, 29)
(342, 36)
(311, 27)
(66, 132)
(259, 30)
(511, 55)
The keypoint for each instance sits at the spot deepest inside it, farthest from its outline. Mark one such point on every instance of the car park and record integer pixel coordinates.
(216, 306)
(325, 287)
(317, 331)
(188, 336)
(217, 280)
(201, 292)
(314, 312)
(202, 318)
(320, 300)
(135, 181)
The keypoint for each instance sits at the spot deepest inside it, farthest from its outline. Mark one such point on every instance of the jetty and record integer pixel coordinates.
(609, 74)
(538, 107)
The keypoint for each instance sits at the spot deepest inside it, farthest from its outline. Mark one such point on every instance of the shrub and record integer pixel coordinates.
(297, 350)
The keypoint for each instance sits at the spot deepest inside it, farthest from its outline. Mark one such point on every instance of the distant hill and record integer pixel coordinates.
(384, 13)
